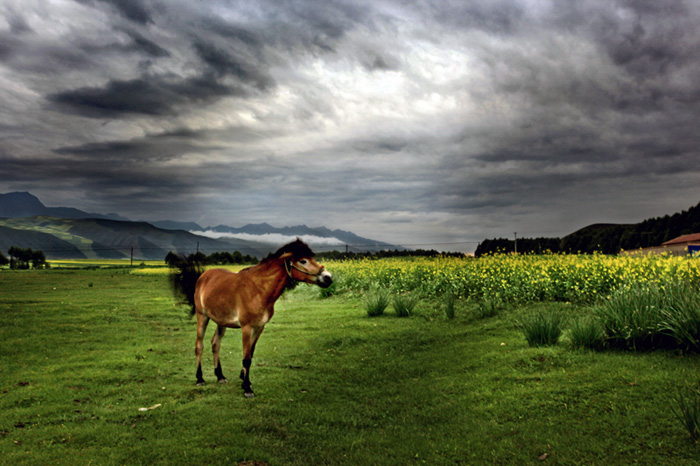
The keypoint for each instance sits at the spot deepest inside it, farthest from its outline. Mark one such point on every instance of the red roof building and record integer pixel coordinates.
(685, 239)
(686, 245)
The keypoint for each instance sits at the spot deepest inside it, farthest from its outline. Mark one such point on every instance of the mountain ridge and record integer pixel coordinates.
(24, 204)
(65, 232)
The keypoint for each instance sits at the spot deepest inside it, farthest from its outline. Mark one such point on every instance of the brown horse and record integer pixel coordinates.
(243, 300)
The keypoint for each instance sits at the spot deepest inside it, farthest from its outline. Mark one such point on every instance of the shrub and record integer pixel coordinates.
(542, 329)
(404, 304)
(687, 409)
(376, 303)
(587, 332)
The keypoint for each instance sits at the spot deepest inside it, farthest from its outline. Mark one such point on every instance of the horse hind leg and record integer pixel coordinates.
(215, 348)
(202, 322)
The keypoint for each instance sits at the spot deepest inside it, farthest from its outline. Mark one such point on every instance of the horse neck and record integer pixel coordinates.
(274, 278)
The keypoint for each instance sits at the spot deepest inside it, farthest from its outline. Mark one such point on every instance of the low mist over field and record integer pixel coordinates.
(273, 238)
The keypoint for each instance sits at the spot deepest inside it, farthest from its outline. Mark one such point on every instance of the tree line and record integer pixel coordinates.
(216, 258)
(338, 255)
(21, 258)
(605, 238)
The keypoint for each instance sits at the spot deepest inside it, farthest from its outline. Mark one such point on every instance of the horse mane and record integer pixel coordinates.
(298, 248)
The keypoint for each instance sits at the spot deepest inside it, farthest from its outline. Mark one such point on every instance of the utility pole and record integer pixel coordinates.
(132, 256)
(346, 249)
(516, 241)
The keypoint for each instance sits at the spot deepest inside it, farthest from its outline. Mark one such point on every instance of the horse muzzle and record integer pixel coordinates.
(324, 279)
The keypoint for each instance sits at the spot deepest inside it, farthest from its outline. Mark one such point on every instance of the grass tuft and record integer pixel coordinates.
(542, 328)
(687, 409)
(630, 317)
(588, 333)
(376, 303)
(404, 305)
(680, 316)
(488, 308)
(651, 316)
(450, 305)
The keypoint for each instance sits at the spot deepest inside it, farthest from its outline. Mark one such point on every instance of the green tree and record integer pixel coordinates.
(38, 259)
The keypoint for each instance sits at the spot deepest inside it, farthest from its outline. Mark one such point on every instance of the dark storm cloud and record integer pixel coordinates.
(133, 10)
(144, 45)
(438, 116)
(18, 25)
(154, 148)
(223, 63)
(159, 147)
(649, 39)
(156, 95)
(231, 31)
(239, 58)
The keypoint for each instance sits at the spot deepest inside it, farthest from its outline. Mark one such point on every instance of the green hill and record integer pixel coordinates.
(38, 240)
(606, 238)
(62, 238)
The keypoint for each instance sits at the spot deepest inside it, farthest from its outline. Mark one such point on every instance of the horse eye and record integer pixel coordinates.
(302, 262)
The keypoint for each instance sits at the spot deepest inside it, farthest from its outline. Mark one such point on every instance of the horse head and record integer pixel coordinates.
(301, 266)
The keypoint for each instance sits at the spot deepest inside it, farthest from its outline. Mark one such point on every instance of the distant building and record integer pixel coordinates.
(686, 245)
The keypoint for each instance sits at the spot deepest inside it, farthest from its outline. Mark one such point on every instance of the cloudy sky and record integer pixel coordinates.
(423, 123)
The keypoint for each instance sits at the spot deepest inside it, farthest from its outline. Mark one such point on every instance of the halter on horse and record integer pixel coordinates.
(243, 300)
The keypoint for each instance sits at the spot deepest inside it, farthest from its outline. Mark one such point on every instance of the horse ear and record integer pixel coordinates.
(286, 255)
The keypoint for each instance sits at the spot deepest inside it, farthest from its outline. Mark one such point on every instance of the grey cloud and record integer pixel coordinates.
(26, 55)
(148, 95)
(224, 63)
(144, 45)
(18, 25)
(231, 31)
(498, 16)
(133, 10)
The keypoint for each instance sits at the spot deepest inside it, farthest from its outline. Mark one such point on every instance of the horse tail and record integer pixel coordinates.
(184, 273)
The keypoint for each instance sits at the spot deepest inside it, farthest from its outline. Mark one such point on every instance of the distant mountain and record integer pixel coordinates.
(61, 238)
(608, 238)
(171, 225)
(24, 204)
(65, 232)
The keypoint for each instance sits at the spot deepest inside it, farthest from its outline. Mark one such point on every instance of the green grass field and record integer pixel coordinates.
(82, 351)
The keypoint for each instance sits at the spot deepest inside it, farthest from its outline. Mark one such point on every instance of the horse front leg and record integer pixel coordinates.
(250, 339)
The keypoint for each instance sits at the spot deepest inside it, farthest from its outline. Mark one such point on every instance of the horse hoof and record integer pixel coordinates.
(249, 394)
(224, 380)
(200, 384)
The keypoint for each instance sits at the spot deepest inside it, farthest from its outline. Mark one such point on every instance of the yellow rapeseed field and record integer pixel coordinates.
(513, 278)
(504, 277)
